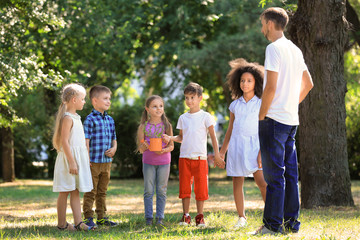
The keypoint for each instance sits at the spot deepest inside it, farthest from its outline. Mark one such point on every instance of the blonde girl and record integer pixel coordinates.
(243, 158)
(156, 165)
(72, 167)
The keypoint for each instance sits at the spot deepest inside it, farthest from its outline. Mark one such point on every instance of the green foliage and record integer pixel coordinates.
(352, 76)
(22, 65)
(160, 45)
(127, 162)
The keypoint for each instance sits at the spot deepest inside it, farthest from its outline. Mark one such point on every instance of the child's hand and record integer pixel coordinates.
(166, 138)
(218, 161)
(143, 146)
(159, 152)
(73, 169)
(222, 156)
(110, 152)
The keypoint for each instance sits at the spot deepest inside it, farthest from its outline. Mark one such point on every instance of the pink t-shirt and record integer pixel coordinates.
(151, 157)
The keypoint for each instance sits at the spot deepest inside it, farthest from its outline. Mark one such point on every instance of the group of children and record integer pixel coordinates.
(85, 153)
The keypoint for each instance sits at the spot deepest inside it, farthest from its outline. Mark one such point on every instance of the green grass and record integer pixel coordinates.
(28, 211)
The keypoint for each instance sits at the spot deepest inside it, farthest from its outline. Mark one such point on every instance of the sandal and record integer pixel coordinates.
(79, 228)
(67, 227)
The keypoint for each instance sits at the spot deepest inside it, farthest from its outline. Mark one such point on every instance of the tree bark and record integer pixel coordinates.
(319, 28)
(7, 155)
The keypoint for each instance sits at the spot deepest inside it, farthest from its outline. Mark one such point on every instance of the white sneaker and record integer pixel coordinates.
(241, 223)
(263, 230)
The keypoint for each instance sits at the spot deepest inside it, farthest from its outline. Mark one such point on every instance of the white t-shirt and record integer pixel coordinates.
(285, 58)
(194, 128)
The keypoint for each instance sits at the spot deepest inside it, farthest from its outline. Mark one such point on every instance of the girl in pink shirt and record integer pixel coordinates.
(156, 164)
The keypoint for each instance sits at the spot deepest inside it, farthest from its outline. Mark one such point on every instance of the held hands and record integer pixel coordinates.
(219, 161)
(166, 138)
(110, 152)
(73, 169)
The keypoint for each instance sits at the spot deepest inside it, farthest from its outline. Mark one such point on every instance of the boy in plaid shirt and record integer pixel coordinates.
(101, 142)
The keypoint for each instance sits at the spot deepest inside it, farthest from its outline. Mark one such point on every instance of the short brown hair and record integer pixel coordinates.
(193, 88)
(97, 89)
(277, 15)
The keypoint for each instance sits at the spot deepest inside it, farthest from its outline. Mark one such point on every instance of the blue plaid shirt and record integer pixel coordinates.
(100, 129)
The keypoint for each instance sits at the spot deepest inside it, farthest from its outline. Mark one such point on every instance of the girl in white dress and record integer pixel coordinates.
(241, 138)
(72, 167)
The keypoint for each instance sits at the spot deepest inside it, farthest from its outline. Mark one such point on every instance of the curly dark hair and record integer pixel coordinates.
(240, 66)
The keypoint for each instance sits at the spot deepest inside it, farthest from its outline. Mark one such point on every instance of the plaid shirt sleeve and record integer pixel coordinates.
(88, 128)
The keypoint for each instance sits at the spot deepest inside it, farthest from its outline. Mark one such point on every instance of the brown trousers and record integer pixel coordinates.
(101, 177)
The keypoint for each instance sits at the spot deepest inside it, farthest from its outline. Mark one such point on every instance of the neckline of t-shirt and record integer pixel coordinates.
(195, 113)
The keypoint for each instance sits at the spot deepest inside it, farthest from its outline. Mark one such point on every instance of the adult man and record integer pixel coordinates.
(286, 83)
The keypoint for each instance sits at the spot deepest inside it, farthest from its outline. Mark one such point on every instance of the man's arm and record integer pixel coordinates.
(306, 85)
(268, 94)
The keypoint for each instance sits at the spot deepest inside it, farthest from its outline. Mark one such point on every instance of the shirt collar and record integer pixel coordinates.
(254, 98)
(96, 112)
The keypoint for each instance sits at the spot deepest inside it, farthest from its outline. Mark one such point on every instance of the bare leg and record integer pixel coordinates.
(260, 182)
(238, 184)
(200, 207)
(61, 208)
(186, 205)
(75, 206)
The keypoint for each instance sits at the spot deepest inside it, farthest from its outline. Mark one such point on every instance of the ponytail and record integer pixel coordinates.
(58, 123)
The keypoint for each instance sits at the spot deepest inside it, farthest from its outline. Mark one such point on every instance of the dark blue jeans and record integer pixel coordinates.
(280, 168)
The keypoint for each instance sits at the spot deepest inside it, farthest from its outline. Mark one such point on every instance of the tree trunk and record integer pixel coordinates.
(7, 155)
(320, 30)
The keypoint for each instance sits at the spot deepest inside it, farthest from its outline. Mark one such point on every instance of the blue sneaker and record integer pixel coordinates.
(106, 222)
(90, 222)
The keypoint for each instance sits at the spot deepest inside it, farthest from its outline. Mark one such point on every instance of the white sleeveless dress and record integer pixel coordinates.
(63, 180)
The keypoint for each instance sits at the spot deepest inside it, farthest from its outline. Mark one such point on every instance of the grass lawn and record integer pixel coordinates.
(28, 211)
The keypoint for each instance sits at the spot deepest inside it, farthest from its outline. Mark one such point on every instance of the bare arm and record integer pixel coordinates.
(259, 159)
(306, 85)
(170, 145)
(177, 138)
(65, 135)
(225, 144)
(87, 142)
(142, 145)
(269, 93)
(218, 161)
(111, 151)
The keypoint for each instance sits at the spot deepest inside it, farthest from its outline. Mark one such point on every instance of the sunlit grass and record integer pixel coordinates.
(28, 211)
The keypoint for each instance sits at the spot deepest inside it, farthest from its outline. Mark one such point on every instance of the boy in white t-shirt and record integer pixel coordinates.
(193, 165)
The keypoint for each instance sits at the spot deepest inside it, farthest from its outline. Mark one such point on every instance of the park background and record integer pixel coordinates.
(140, 48)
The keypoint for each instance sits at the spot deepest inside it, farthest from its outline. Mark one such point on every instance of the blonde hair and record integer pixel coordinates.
(68, 92)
